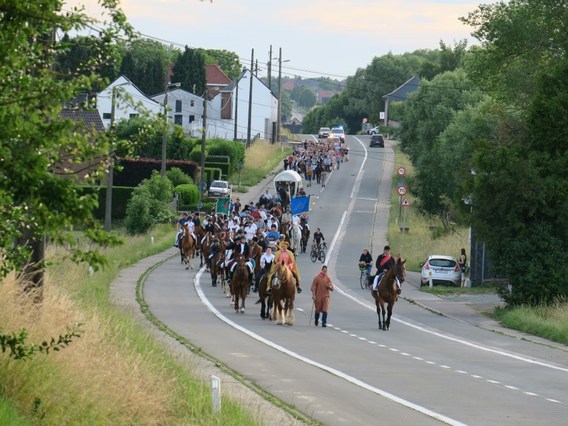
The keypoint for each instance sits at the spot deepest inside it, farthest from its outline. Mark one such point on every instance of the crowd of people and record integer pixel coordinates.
(268, 224)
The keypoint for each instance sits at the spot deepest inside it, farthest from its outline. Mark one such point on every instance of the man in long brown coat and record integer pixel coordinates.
(321, 287)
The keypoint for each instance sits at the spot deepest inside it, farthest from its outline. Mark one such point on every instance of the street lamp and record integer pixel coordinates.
(237, 102)
(165, 135)
(279, 119)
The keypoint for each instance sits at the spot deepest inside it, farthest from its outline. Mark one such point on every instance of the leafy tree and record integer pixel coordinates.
(521, 39)
(150, 204)
(304, 96)
(228, 61)
(81, 56)
(145, 63)
(519, 188)
(286, 108)
(189, 70)
(35, 141)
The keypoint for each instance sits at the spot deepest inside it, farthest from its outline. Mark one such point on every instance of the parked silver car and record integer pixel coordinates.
(443, 270)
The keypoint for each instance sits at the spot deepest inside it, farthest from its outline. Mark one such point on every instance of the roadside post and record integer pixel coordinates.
(216, 393)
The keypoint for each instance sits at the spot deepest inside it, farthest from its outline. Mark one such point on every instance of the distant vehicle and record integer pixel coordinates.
(338, 132)
(323, 132)
(445, 270)
(220, 188)
(377, 140)
(373, 131)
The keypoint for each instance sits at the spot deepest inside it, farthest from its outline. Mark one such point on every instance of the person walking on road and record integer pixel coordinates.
(321, 288)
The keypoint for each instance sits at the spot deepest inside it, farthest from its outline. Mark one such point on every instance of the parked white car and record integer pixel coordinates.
(374, 131)
(220, 188)
(444, 270)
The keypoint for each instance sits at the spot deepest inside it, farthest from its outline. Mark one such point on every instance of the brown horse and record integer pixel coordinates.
(240, 283)
(205, 244)
(387, 292)
(187, 247)
(283, 290)
(256, 254)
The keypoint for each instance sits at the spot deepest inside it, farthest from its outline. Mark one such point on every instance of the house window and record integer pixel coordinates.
(178, 106)
(107, 115)
(191, 118)
(192, 103)
(178, 119)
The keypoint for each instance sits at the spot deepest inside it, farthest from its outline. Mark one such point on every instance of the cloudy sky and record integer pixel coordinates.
(317, 37)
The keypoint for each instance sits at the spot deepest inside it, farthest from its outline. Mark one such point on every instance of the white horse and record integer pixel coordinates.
(295, 237)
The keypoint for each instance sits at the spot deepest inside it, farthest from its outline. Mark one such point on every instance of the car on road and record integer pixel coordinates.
(338, 132)
(373, 131)
(377, 140)
(220, 188)
(323, 132)
(444, 270)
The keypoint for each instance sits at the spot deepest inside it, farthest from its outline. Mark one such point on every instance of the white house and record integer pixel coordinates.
(184, 109)
(228, 111)
(129, 102)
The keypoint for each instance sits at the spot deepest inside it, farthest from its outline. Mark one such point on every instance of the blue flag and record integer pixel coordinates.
(300, 205)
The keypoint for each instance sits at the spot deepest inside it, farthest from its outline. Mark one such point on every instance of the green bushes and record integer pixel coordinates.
(178, 177)
(150, 204)
(188, 194)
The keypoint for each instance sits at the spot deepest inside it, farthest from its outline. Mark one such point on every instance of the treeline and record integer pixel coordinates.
(487, 133)
(144, 62)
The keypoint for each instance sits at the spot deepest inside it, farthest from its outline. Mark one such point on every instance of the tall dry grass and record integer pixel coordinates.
(424, 236)
(115, 373)
(261, 158)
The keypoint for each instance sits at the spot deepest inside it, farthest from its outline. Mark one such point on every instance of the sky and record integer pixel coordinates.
(318, 37)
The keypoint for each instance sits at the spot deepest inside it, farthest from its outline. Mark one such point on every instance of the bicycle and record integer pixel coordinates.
(364, 278)
(317, 252)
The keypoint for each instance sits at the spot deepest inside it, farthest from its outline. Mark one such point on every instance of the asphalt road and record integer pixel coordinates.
(429, 368)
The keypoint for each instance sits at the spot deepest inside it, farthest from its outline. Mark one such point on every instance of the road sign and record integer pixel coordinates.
(401, 171)
(405, 202)
(402, 190)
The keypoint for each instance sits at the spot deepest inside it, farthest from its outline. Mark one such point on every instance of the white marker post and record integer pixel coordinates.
(216, 393)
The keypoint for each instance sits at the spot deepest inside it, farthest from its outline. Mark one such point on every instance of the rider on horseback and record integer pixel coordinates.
(283, 255)
(266, 261)
(384, 262)
(214, 249)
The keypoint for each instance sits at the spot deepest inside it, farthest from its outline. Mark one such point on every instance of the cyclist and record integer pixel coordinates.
(367, 260)
(318, 237)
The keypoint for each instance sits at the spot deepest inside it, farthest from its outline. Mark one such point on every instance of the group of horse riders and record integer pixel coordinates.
(262, 236)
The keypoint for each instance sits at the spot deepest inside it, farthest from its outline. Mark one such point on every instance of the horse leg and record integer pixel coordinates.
(291, 318)
(263, 314)
(389, 315)
(243, 298)
(383, 314)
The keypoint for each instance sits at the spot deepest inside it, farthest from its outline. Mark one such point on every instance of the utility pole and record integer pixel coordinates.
(278, 118)
(202, 184)
(250, 100)
(270, 68)
(166, 128)
(108, 200)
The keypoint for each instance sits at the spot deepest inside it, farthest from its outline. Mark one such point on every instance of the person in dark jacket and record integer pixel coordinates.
(384, 262)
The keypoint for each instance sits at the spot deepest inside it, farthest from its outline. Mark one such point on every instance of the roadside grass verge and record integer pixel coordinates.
(548, 322)
(425, 237)
(115, 373)
(261, 158)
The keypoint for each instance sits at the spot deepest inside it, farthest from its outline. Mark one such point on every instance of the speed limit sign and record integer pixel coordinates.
(402, 190)
(401, 171)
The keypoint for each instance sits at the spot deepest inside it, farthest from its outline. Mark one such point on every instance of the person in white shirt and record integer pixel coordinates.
(266, 261)
(250, 230)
